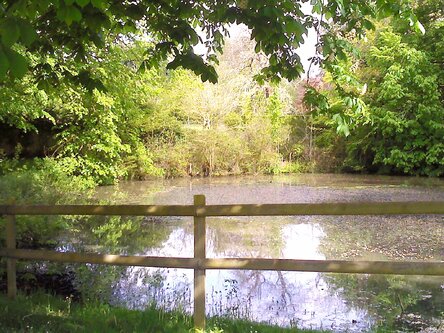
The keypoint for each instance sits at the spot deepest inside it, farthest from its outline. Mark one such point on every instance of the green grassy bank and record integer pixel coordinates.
(45, 313)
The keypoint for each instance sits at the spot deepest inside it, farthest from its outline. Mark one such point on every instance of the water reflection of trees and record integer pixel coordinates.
(398, 302)
(107, 235)
(240, 292)
(168, 289)
(284, 298)
(246, 237)
(125, 234)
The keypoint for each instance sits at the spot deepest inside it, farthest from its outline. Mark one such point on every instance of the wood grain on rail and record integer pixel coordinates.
(326, 266)
(339, 208)
(355, 208)
(134, 210)
(94, 258)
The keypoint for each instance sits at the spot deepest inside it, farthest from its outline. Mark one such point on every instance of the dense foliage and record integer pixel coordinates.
(87, 105)
(399, 77)
(406, 128)
(88, 133)
(68, 28)
(159, 122)
(234, 127)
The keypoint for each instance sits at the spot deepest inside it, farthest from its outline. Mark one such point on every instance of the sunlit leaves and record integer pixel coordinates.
(99, 4)
(418, 26)
(405, 128)
(278, 28)
(12, 31)
(93, 130)
(343, 126)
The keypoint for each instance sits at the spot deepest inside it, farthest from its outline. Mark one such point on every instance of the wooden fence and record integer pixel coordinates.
(200, 263)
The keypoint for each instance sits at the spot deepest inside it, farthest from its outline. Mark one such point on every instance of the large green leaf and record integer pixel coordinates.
(10, 31)
(27, 32)
(82, 3)
(100, 4)
(4, 64)
(18, 63)
(295, 27)
(69, 14)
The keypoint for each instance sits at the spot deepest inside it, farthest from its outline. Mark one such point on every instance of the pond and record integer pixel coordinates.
(335, 302)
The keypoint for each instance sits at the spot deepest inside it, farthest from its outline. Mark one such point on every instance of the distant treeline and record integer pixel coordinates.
(379, 110)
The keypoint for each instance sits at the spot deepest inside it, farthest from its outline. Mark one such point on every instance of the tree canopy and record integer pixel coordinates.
(77, 28)
(390, 103)
(100, 99)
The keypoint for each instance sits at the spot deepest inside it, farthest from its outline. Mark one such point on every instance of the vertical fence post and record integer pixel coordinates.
(200, 254)
(11, 263)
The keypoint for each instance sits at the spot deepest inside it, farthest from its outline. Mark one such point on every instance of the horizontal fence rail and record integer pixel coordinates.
(356, 208)
(200, 263)
(298, 265)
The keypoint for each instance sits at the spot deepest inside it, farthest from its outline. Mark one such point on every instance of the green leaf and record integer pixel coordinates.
(69, 14)
(368, 25)
(135, 12)
(295, 27)
(212, 58)
(317, 8)
(27, 32)
(82, 3)
(72, 15)
(419, 27)
(61, 13)
(100, 4)
(273, 60)
(176, 62)
(4, 64)
(96, 21)
(212, 74)
(268, 11)
(258, 47)
(44, 4)
(204, 76)
(194, 38)
(10, 31)
(18, 63)
(98, 40)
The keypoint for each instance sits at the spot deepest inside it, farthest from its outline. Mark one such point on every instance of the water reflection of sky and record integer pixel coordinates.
(302, 241)
(286, 298)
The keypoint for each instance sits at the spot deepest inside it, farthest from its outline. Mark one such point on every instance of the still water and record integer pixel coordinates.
(335, 302)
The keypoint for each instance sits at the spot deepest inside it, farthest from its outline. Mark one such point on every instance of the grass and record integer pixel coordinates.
(45, 313)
